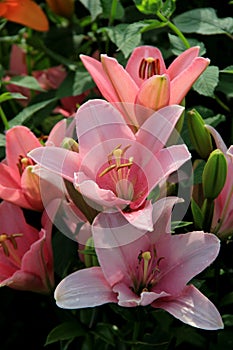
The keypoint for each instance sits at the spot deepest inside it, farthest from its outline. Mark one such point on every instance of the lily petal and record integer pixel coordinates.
(154, 93)
(193, 308)
(182, 61)
(156, 130)
(182, 83)
(134, 62)
(84, 288)
(57, 160)
(19, 141)
(98, 121)
(186, 256)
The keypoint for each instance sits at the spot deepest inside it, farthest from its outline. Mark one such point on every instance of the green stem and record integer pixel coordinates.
(4, 119)
(174, 29)
(135, 334)
(207, 209)
(222, 104)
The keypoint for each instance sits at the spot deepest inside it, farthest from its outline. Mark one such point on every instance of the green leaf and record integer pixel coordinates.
(168, 8)
(197, 215)
(227, 70)
(82, 82)
(126, 36)
(26, 81)
(178, 46)
(11, 96)
(107, 5)
(207, 82)
(227, 299)
(227, 320)
(215, 120)
(65, 331)
(203, 21)
(197, 178)
(27, 112)
(179, 224)
(148, 6)
(94, 7)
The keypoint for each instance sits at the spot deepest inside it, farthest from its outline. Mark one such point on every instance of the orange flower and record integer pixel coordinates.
(25, 12)
(63, 8)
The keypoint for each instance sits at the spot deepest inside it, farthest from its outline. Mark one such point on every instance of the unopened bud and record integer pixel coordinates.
(90, 258)
(214, 174)
(70, 144)
(199, 135)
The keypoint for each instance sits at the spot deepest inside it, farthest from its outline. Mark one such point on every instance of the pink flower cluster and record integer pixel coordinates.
(102, 179)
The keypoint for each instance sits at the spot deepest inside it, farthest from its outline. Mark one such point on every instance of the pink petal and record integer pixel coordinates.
(154, 93)
(155, 132)
(182, 83)
(217, 138)
(141, 218)
(18, 64)
(193, 308)
(169, 160)
(99, 197)
(57, 160)
(84, 288)
(119, 78)
(128, 298)
(184, 257)
(98, 121)
(19, 141)
(10, 187)
(182, 62)
(136, 57)
(109, 76)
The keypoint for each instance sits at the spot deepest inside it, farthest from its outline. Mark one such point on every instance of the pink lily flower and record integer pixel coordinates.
(26, 259)
(116, 169)
(19, 183)
(222, 222)
(145, 80)
(152, 270)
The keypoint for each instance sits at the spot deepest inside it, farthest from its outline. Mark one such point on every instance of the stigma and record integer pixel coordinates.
(149, 67)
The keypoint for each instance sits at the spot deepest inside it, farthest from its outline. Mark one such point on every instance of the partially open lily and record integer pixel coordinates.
(146, 80)
(26, 258)
(19, 182)
(25, 12)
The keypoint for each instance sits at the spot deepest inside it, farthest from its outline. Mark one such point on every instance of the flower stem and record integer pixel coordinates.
(174, 29)
(4, 119)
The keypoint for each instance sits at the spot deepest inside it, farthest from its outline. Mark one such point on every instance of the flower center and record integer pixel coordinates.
(9, 245)
(23, 163)
(147, 270)
(117, 172)
(148, 67)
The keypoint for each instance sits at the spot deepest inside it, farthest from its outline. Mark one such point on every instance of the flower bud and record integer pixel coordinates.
(214, 174)
(199, 135)
(90, 258)
(70, 144)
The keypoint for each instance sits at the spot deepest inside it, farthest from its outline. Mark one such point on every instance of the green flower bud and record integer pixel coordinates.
(214, 174)
(199, 135)
(70, 144)
(90, 258)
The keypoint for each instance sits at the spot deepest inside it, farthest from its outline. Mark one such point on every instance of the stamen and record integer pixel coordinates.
(23, 163)
(149, 67)
(12, 238)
